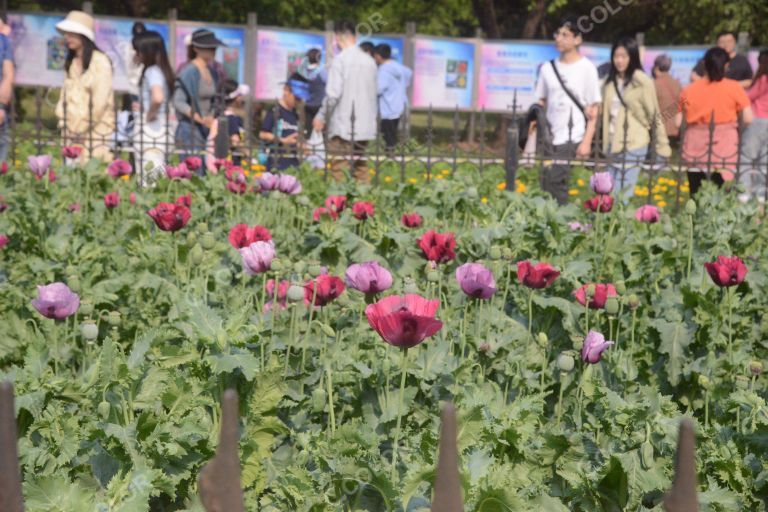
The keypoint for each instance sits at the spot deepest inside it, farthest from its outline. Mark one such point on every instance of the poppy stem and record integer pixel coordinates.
(586, 315)
(690, 246)
(729, 295)
(309, 330)
(404, 372)
(261, 312)
(464, 332)
(291, 338)
(530, 312)
(560, 398)
(329, 382)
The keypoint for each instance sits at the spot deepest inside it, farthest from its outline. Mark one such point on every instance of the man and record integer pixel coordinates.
(6, 84)
(351, 88)
(668, 92)
(394, 79)
(571, 106)
(281, 129)
(739, 68)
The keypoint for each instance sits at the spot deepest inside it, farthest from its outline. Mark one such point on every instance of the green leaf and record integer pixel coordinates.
(614, 487)
(675, 337)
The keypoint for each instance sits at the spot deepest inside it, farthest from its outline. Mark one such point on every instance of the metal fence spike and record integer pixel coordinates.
(219, 480)
(682, 496)
(11, 499)
(447, 484)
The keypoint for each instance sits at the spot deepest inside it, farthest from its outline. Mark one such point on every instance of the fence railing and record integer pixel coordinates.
(151, 145)
(219, 479)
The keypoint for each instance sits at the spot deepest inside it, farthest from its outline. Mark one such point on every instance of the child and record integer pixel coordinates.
(125, 124)
(280, 127)
(234, 94)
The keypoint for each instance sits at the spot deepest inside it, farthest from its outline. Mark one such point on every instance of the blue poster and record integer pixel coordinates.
(39, 51)
(443, 73)
(230, 59)
(396, 43)
(278, 55)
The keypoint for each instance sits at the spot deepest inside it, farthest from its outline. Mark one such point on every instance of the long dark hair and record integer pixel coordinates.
(714, 62)
(88, 48)
(630, 45)
(762, 67)
(150, 48)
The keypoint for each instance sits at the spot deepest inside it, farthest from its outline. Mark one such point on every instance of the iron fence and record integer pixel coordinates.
(150, 147)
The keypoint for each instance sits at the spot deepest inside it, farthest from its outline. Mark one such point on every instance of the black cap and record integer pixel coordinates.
(204, 38)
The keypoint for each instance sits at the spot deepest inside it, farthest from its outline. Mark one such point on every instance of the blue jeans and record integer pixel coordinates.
(625, 175)
(4, 142)
(191, 141)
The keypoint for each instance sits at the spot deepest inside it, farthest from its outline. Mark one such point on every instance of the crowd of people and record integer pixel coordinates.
(338, 106)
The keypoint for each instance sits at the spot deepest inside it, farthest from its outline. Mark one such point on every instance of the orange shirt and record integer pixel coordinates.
(726, 98)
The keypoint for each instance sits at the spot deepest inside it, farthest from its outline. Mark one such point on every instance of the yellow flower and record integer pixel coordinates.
(446, 172)
(672, 183)
(662, 181)
(641, 191)
(125, 177)
(484, 200)
(257, 175)
(662, 204)
(580, 182)
(501, 186)
(520, 188)
(412, 181)
(371, 171)
(573, 192)
(658, 197)
(439, 177)
(664, 188)
(387, 179)
(328, 166)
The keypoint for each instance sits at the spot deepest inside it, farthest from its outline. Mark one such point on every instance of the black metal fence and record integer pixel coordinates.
(152, 144)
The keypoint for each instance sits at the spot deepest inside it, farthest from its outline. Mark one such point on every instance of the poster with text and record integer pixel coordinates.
(39, 51)
(509, 68)
(278, 55)
(230, 59)
(684, 59)
(443, 73)
(113, 37)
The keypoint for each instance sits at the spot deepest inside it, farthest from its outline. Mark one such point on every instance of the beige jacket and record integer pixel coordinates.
(640, 98)
(89, 97)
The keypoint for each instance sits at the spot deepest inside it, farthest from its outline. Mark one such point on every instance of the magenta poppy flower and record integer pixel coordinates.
(288, 184)
(594, 346)
(404, 321)
(647, 213)
(476, 280)
(257, 257)
(56, 301)
(178, 172)
(362, 210)
(601, 183)
(112, 200)
(119, 168)
(268, 181)
(39, 165)
(536, 276)
(368, 277)
(727, 271)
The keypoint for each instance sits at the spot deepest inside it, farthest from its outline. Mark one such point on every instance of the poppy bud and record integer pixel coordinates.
(86, 307)
(319, 397)
(343, 299)
(196, 255)
(191, 238)
(103, 409)
(295, 293)
(742, 382)
(756, 367)
(303, 200)
(690, 207)
(89, 330)
(472, 192)
(277, 265)
(566, 361)
(507, 253)
(433, 276)
(590, 291)
(646, 455)
(633, 301)
(612, 306)
(621, 287)
(495, 253)
(315, 269)
(114, 318)
(542, 339)
(704, 382)
(202, 227)
(74, 284)
(208, 241)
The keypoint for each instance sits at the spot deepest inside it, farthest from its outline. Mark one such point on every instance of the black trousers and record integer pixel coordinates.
(695, 179)
(556, 178)
(389, 131)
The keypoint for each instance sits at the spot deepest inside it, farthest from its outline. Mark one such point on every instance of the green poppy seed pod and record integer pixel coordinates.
(612, 306)
(89, 330)
(646, 455)
(276, 265)
(621, 287)
(202, 228)
(542, 339)
(507, 253)
(472, 192)
(690, 207)
(319, 397)
(86, 307)
(566, 361)
(196, 255)
(208, 241)
(343, 299)
(756, 368)
(742, 382)
(114, 318)
(299, 267)
(104, 409)
(590, 291)
(409, 286)
(433, 276)
(295, 293)
(74, 284)
(315, 269)
(495, 253)
(191, 238)
(633, 301)
(704, 382)
(303, 200)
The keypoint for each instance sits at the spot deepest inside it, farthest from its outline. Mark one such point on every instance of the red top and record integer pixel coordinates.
(758, 95)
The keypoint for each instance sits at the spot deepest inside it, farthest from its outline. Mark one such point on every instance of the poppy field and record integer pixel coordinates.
(571, 340)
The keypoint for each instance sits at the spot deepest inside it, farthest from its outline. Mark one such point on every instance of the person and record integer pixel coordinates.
(754, 146)
(281, 130)
(233, 107)
(7, 71)
(126, 122)
(351, 87)
(85, 108)
(217, 68)
(155, 86)
(194, 96)
(394, 80)
(668, 90)
(368, 47)
(717, 99)
(311, 71)
(739, 68)
(630, 111)
(569, 89)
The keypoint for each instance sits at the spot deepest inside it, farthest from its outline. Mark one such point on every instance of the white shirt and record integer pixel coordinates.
(581, 79)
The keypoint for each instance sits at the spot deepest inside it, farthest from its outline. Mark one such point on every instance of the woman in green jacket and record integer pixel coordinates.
(630, 108)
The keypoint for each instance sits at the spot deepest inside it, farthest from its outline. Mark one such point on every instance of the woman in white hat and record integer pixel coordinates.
(86, 105)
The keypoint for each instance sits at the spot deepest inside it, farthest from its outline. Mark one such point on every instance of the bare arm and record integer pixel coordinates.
(6, 86)
(156, 99)
(589, 133)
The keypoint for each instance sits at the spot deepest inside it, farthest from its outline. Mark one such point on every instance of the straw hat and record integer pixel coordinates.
(77, 22)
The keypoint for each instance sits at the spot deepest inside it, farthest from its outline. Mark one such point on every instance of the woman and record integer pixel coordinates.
(754, 146)
(194, 96)
(630, 110)
(86, 106)
(155, 85)
(719, 99)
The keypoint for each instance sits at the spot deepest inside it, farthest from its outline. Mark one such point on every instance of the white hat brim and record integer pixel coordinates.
(73, 27)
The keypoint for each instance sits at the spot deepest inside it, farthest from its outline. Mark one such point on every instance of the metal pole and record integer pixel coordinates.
(511, 156)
